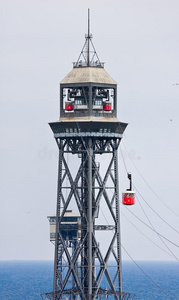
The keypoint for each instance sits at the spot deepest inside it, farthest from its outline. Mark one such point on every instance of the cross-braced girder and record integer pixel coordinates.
(92, 190)
(79, 145)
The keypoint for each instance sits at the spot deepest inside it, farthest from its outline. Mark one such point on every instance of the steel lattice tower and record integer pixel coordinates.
(88, 135)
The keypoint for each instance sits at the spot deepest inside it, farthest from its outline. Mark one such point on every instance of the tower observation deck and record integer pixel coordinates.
(88, 135)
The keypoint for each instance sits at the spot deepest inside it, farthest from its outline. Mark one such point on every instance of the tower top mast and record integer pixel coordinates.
(84, 59)
(88, 37)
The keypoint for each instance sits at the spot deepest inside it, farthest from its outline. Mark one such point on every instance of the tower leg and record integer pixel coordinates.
(58, 247)
(90, 222)
(119, 259)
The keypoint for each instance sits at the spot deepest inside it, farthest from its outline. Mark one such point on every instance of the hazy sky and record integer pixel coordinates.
(139, 42)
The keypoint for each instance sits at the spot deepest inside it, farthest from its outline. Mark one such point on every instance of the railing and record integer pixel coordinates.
(96, 64)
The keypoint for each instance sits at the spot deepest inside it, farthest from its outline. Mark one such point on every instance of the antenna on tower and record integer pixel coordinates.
(84, 59)
(88, 21)
(88, 37)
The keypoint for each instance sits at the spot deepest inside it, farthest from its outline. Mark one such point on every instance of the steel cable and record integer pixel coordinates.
(147, 182)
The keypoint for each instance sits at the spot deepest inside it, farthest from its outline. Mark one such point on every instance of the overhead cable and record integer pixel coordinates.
(146, 181)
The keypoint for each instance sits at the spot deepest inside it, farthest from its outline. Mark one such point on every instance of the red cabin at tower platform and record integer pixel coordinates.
(69, 106)
(107, 106)
(128, 198)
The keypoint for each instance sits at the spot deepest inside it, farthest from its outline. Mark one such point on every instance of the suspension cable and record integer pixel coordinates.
(153, 230)
(140, 267)
(145, 234)
(146, 273)
(171, 253)
(156, 231)
(146, 181)
(160, 236)
(155, 211)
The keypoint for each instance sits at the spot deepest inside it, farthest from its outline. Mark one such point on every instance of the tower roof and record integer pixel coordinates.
(88, 75)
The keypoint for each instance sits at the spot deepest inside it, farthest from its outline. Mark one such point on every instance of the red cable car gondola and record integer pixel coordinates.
(68, 105)
(107, 106)
(128, 197)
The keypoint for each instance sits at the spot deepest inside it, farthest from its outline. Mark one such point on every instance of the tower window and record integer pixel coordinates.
(78, 102)
(98, 102)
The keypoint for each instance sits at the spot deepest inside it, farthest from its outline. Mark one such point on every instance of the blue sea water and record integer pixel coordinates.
(26, 280)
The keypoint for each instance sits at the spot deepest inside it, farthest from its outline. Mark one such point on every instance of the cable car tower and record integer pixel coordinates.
(88, 135)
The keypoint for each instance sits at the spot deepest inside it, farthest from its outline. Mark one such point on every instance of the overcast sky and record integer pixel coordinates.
(139, 42)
